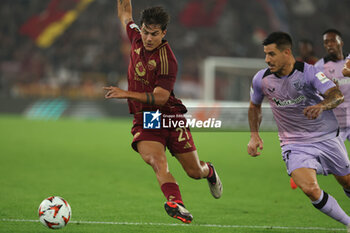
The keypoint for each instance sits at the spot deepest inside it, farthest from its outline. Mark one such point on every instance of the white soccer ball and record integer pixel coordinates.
(54, 212)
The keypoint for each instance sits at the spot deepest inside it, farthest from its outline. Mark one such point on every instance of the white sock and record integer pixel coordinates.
(328, 205)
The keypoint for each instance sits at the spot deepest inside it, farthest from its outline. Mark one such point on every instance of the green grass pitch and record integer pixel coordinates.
(91, 165)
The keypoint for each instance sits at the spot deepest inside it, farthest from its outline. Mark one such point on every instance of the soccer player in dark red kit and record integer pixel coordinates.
(151, 77)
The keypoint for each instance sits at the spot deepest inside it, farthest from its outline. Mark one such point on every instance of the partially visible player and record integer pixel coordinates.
(346, 68)
(331, 65)
(306, 52)
(151, 77)
(301, 99)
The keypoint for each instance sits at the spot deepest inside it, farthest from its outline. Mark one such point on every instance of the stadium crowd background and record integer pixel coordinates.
(92, 52)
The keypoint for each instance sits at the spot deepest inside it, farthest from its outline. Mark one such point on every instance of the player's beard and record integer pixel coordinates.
(279, 71)
(332, 57)
(273, 67)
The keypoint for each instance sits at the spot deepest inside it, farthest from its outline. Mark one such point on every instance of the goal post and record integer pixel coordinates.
(232, 66)
(229, 79)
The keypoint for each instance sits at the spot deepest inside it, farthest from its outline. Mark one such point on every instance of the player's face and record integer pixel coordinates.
(332, 43)
(152, 36)
(275, 59)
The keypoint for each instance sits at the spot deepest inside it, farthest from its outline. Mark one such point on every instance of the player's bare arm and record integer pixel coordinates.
(346, 69)
(124, 11)
(159, 96)
(332, 98)
(254, 117)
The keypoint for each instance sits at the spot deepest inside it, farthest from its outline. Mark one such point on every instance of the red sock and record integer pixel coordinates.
(172, 192)
(210, 171)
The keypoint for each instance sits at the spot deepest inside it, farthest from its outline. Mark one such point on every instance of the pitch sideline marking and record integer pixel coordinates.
(186, 225)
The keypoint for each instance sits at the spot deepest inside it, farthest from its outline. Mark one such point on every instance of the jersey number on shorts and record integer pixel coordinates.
(181, 138)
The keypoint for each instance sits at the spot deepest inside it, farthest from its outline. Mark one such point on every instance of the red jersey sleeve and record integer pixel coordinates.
(133, 31)
(168, 69)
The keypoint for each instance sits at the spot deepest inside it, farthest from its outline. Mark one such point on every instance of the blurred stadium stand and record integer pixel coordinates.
(92, 52)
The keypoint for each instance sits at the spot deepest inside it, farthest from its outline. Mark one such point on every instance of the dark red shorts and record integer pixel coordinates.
(177, 140)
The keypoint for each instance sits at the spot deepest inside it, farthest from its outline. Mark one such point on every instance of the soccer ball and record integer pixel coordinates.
(54, 212)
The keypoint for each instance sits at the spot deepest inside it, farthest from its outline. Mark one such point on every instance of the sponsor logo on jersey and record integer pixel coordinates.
(281, 103)
(343, 81)
(320, 75)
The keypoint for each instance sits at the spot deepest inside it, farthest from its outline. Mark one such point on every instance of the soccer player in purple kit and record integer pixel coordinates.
(331, 65)
(346, 68)
(151, 76)
(301, 99)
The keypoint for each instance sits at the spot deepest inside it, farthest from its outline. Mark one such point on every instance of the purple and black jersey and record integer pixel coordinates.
(289, 96)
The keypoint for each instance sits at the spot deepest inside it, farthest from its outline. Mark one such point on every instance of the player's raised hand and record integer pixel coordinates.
(115, 92)
(253, 145)
(312, 112)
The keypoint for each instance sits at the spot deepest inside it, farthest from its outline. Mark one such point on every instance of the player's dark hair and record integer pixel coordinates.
(281, 39)
(332, 30)
(155, 15)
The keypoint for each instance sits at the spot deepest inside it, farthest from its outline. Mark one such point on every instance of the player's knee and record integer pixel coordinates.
(311, 190)
(157, 162)
(147, 158)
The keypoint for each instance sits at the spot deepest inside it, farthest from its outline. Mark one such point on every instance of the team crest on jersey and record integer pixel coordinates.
(140, 70)
(151, 64)
(298, 85)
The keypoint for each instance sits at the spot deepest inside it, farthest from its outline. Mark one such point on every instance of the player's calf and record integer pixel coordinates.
(344, 181)
(312, 190)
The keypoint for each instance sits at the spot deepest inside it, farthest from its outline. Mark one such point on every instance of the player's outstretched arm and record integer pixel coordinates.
(254, 117)
(124, 12)
(332, 98)
(346, 68)
(159, 96)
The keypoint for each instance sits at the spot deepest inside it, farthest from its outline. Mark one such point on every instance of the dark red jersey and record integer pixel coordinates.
(149, 69)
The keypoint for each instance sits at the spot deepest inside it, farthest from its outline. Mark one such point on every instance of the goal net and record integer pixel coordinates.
(229, 78)
(226, 86)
